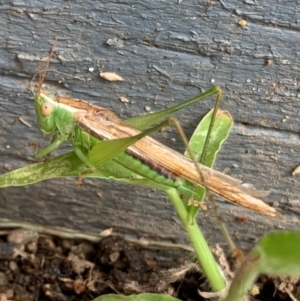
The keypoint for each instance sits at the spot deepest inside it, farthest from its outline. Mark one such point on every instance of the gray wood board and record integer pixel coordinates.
(166, 52)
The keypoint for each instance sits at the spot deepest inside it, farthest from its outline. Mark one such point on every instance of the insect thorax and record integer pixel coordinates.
(82, 139)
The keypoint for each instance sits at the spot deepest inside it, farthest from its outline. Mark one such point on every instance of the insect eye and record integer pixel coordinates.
(46, 109)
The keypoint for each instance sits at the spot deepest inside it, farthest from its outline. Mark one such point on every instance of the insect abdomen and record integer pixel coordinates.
(148, 170)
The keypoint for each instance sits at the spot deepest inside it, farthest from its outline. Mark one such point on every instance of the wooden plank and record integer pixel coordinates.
(166, 52)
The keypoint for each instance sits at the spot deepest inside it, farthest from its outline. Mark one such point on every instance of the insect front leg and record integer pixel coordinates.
(51, 147)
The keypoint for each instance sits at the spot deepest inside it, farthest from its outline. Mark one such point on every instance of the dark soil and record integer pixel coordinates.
(43, 267)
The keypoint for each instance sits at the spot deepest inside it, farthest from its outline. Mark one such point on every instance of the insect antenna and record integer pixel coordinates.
(46, 67)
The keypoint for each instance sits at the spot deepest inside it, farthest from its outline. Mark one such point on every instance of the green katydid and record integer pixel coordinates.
(85, 125)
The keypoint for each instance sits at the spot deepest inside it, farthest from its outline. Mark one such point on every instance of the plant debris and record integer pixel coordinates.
(49, 268)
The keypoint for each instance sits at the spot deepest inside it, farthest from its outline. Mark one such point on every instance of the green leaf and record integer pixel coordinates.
(220, 131)
(280, 253)
(67, 165)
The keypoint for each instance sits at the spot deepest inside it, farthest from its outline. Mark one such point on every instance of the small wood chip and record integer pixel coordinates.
(124, 99)
(110, 76)
(296, 170)
(242, 23)
(106, 232)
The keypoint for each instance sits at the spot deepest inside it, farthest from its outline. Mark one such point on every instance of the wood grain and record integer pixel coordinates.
(166, 52)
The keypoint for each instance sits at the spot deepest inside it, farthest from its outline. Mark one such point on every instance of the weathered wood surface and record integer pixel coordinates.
(166, 52)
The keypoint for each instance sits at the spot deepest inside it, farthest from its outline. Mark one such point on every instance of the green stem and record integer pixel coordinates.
(244, 276)
(198, 241)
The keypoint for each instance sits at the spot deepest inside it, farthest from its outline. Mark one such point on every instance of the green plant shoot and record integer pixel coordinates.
(275, 254)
